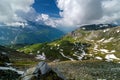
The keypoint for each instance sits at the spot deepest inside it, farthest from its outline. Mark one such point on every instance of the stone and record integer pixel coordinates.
(42, 67)
(42, 72)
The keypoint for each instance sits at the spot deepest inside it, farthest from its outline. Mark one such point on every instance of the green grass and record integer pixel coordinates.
(23, 65)
(52, 51)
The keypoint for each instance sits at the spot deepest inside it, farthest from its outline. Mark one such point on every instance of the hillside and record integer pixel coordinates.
(88, 70)
(81, 44)
(28, 34)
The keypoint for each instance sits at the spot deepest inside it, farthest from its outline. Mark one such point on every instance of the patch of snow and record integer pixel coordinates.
(79, 57)
(96, 47)
(31, 53)
(8, 64)
(55, 44)
(38, 52)
(51, 48)
(90, 54)
(18, 50)
(101, 26)
(72, 48)
(107, 51)
(58, 45)
(105, 25)
(4, 53)
(108, 40)
(58, 48)
(104, 50)
(67, 56)
(111, 57)
(56, 60)
(118, 31)
(12, 69)
(83, 28)
(61, 49)
(113, 51)
(101, 40)
(41, 57)
(99, 58)
(92, 40)
(106, 30)
(75, 38)
(75, 52)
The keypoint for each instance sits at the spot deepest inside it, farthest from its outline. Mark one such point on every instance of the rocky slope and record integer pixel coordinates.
(96, 42)
(88, 70)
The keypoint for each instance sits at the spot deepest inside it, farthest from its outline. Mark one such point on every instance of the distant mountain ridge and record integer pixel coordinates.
(98, 26)
(30, 34)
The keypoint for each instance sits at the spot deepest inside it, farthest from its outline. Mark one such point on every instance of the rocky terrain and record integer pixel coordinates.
(88, 70)
(89, 53)
(82, 44)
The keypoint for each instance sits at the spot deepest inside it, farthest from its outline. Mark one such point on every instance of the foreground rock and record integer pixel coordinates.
(42, 72)
(3, 58)
(9, 73)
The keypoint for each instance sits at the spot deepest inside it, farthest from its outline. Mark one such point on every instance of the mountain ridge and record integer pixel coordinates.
(32, 33)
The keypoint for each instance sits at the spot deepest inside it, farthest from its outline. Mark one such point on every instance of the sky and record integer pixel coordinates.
(62, 14)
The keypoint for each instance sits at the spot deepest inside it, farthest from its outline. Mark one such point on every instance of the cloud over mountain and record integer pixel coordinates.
(77, 12)
(14, 10)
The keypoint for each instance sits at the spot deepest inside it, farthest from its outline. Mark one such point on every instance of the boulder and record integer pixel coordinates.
(42, 72)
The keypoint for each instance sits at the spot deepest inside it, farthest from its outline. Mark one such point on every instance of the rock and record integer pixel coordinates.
(3, 59)
(43, 68)
(9, 75)
(42, 72)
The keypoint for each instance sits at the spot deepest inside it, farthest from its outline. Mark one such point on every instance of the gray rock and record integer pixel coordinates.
(42, 67)
(42, 72)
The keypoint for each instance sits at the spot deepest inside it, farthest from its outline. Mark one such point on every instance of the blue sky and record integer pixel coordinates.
(46, 7)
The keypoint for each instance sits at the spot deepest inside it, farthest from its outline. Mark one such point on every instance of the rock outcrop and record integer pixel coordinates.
(42, 72)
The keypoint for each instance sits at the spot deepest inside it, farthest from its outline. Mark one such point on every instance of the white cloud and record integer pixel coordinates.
(10, 10)
(44, 18)
(79, 12)
(111, 11)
